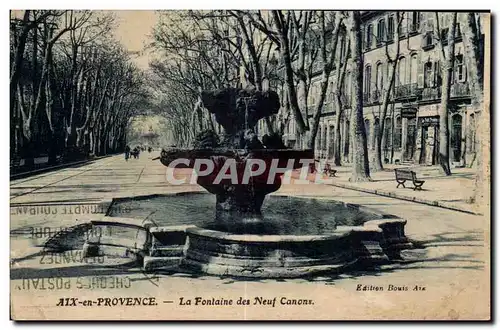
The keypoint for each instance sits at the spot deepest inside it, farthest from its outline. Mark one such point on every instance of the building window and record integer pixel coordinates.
(368, 79)
(428, 39)
(413, 69)
(472, 134)
(460, 68)
(411, 136)
(403, 27)
(428, 75)
(387, 136)
(430, 22)
(381, 31)
(415, 21)
(376, 129)
(380, 78)
(402, 71)
(347, 84)
(363, 39)
(390, 28)
(456, 137)
(438, 80)
(458, 32)
(444, 36)
(369, 33)
(398, 132)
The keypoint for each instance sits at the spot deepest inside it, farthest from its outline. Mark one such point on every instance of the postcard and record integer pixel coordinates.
(250, 165)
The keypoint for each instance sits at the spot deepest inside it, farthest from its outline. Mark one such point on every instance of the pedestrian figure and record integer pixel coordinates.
(127, 152)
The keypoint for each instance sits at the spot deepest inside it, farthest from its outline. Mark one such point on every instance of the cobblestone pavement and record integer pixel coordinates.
(451, 261)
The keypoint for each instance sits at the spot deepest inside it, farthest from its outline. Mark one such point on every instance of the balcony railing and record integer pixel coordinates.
(431, 94)
(366, 98)
(346, 101)
(413, 29)
(460, 90)
(406, 91)
(428, 41)
(375, 97)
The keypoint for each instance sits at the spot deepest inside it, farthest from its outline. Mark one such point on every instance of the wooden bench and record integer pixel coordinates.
(403, 175)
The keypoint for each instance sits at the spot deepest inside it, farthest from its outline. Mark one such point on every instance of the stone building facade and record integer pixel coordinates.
(411, 131)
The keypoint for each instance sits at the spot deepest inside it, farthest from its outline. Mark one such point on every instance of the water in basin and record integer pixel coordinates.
(281, 215)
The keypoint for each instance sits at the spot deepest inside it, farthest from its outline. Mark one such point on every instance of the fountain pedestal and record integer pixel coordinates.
(240, 200)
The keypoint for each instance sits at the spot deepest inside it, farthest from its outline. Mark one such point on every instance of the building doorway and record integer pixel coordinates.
(456, 138)
(411, 137)
(429, 143)
(435, 153)
(423, 144)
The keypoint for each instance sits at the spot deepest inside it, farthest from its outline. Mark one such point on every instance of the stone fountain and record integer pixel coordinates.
(238, 111)
(235, 230)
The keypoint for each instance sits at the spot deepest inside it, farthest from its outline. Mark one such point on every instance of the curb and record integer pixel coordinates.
(52, 168)
(406, 198)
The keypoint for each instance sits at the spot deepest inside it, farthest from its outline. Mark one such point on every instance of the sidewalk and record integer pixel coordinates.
(42, 166)
(452, 192)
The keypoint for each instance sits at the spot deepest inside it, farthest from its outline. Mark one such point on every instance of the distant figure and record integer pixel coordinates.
(136, 152)
(127, 152)
(150, 149)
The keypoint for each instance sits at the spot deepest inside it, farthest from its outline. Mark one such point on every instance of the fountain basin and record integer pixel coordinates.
(277, 256)
(376, 239)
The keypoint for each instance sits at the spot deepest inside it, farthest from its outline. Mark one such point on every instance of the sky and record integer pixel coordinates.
(133, 30)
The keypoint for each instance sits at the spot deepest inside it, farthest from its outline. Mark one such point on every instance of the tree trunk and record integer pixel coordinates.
(319, 109)
(360, 165)
(328, 64)
(378, 164)
(80, 137)
(444, 133)
(337, 146)
(28, 143)
(337, 139)
(475, 67)
(18, 59)
(93, 144)
(347, 138)
(71, 137)
(287, 61)
(53, 148)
